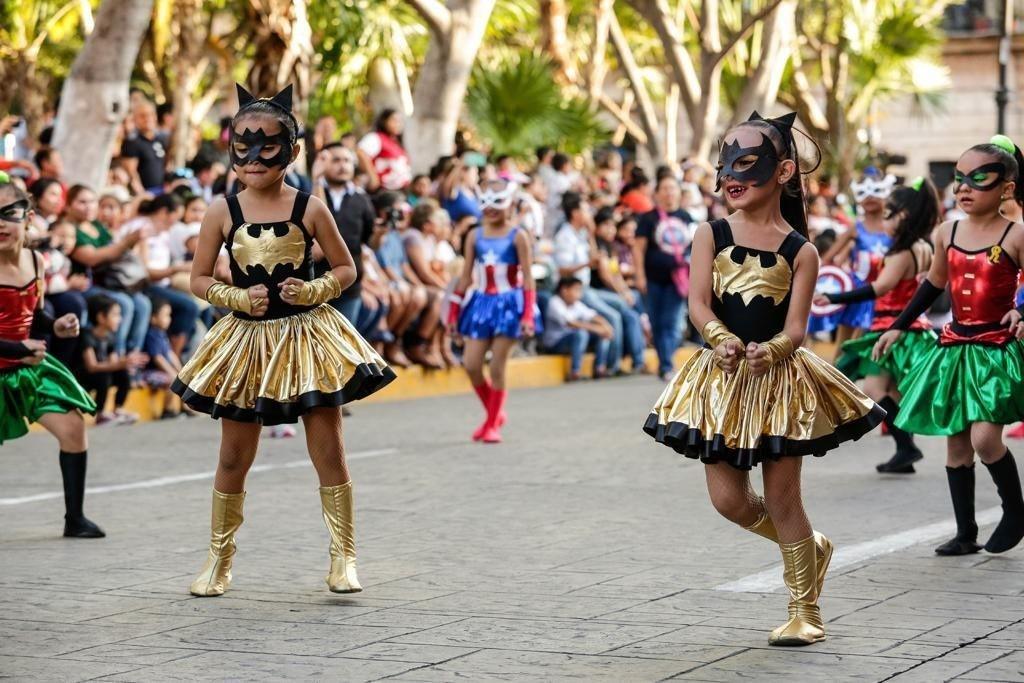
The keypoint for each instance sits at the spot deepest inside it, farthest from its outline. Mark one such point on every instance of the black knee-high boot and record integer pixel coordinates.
(907, 452)
(1010, 530)
(76, 525)
(961, 490)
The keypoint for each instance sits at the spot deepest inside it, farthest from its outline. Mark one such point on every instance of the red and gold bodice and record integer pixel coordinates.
(982, 284)
(17, 306)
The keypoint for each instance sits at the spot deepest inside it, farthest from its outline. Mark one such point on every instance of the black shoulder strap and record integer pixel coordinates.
(299, 210)
(791, 246)
(1006, 232)
(35, 264)
(952, 234)
(236, 211)
(722, 233)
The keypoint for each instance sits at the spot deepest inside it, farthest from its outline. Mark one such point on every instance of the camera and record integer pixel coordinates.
(394, 215)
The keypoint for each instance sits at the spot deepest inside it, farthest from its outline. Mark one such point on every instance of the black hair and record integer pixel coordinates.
(382, 118)
(1014, 164)
(166, 201)
(383, 201)
(663, 171)
(271, 110)
(76, 190)
(604, 214)
(98, 305)
(46, 136)
(500, 158)
(40, 186)
(919, 211)
(156, 304)
(200, 163)
(163, 109)
(570, 202)
(333, 145)
(559, 161)
(567, 282)
(193, 198)
(791, 201)
(43, 156)
(628, 218)
(542, 152)
(8, 185)
(637, 178)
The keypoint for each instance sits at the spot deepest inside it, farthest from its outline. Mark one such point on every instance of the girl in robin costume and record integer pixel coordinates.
(912, 213)
(501, 309)
(969, 385)
(35, 386)
(282, 354)
(752, 395)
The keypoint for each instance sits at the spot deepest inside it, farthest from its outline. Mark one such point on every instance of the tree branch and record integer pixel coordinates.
(622, 117)
(655, 12)
(627, 62)
(437, 16)
(747, 27)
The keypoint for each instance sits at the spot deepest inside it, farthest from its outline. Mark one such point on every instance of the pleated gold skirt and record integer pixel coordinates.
(273, 371)
(801, 406)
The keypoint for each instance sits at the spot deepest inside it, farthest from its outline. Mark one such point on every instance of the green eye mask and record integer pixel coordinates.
(976, 178)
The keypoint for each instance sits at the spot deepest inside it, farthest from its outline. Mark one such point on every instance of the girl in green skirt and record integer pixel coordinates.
(911, 213)
(971, 383)
(34, 386)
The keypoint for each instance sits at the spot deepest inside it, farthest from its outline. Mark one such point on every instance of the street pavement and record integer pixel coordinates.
(578, 549)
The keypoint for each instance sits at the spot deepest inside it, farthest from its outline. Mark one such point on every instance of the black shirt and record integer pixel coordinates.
(355, 218)
(101, 346)
(150, 152)
(664, 239)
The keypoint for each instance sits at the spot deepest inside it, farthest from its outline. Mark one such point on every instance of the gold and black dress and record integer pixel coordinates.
(800, 406)
(274, 368)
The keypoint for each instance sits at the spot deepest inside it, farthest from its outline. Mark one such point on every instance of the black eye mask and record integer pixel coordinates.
(760, 172)
(15, 212)
(256, 142)
(977, 176)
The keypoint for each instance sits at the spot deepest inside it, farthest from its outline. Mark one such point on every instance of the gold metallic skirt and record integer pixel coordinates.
(801, 406)
(273, 371)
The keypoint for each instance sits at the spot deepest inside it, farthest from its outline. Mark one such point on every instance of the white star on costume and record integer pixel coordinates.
(878, 249)
(490, 258)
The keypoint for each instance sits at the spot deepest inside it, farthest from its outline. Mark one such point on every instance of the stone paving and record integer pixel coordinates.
(579, 549)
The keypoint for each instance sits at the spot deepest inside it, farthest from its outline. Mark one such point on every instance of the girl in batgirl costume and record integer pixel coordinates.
(969, 385)
(753, 395)
(503, 306)
(35, 386)
(282, 354)
(912, 212)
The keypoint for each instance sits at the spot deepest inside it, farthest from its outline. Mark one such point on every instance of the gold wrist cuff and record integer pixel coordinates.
(778, 347)
(226, 296)
(318, 291)
(715, 332)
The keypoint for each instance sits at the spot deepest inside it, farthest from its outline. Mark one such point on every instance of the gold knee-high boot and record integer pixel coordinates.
(766, 528)
(805, 626)
(215, 577)
(338, 515)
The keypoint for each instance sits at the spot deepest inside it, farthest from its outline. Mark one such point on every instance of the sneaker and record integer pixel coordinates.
(123, 417)
(282, 432)
(105, 418)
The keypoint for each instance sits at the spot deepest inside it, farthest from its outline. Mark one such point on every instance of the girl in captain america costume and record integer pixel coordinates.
(501, 309)
(968, 386)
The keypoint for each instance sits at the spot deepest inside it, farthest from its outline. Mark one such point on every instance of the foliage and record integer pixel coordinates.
(518, 107)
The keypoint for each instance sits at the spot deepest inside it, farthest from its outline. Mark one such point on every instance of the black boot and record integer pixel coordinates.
(1010, 530)
(76, 525)
(907, 453)
(961, 490)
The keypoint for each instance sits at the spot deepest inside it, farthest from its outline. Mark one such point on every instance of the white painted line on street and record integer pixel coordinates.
(771, 579)
(182, 478)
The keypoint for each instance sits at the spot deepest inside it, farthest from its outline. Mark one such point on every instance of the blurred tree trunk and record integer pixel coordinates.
(94, 100)
(282, 42)
(456, 30)
(554, 40)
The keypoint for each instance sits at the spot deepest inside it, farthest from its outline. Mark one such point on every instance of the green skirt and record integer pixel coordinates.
(952, 387)
(31, 391)
(855, 356)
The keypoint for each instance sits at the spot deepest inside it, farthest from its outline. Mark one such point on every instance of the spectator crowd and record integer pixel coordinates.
(611, 245)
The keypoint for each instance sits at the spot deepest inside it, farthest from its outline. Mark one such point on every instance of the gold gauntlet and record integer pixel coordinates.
(318, 291)
(778, 348)
(226, 296)
(715, 332)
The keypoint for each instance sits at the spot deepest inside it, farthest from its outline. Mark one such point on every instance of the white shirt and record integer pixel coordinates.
(572, 247)
(337, 197)
(560, 315)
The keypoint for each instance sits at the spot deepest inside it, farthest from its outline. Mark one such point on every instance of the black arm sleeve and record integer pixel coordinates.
(13, 349)
(862, 293)
(42, 324)
(924, 297)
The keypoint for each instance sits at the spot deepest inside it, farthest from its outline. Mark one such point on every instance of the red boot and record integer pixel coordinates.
(483, 392)
(496, 409)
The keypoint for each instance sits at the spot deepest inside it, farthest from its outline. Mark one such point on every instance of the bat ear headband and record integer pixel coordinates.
(255, 142)
(282, 101)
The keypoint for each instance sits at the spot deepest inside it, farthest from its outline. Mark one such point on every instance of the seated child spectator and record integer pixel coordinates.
(65, 289)
(100, 367)
(164, 364)
(571, 326)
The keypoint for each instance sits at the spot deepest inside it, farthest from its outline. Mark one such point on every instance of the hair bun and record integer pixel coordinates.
(1005, 143)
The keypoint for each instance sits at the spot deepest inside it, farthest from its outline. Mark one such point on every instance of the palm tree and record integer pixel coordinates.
(857, 54)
